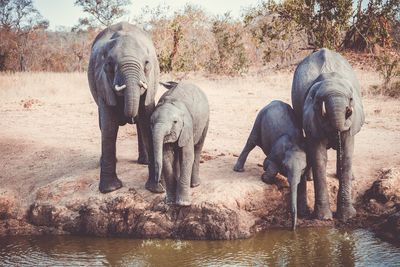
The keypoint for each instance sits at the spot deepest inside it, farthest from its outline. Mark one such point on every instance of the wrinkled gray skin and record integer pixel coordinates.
(179, 125)
(278, 134)
(327, 102)
(123, 78)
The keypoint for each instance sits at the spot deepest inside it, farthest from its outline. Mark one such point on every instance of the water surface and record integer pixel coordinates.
(305, 247)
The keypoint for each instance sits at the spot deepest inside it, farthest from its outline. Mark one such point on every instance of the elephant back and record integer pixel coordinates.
(276, 120)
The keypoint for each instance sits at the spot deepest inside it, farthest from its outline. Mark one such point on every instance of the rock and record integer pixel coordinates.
(382, 204)
(390, 228)
(9, 204)
(386, 187)
(75, 206)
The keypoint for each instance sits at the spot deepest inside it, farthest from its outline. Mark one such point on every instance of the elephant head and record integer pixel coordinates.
(126, 65)
(171, 122)
(332, 106)
(287, 157)
(294, 164)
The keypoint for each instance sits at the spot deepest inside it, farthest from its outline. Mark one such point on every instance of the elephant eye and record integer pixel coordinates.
(175, 121)
(147, 66)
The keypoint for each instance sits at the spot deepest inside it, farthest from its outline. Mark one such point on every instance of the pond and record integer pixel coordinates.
(305, 247)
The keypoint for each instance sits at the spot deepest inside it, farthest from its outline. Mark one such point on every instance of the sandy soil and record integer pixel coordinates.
(49, 131)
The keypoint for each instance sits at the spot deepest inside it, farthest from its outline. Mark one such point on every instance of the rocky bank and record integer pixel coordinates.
(220, 210)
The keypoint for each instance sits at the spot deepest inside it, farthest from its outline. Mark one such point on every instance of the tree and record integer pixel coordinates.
(105, 12)
(20, 23)
(324, 21)
(231, 57)
(373, 25)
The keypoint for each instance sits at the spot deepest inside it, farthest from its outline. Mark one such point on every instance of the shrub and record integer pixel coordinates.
(230, 57)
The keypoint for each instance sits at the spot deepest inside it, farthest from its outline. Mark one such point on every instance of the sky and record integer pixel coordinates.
(64, 13)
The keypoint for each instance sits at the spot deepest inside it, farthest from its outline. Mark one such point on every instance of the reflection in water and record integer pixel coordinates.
(305, 247)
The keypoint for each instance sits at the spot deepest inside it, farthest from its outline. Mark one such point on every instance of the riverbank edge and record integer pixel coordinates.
(71, 206)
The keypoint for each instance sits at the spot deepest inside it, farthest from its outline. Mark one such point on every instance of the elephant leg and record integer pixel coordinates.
(345, 209)
(250, 145)
(168, 173)
(270, 171)
(195, 180)
(143, 156)
(302, 207)
(109, 130)
(144, 120)
(318, 157)
(186, 157)
(308, 174)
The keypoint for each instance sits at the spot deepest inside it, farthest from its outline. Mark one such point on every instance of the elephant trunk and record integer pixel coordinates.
(158, 142)
(131, 73)
(339, 158)
(338, 117)
(293, 202)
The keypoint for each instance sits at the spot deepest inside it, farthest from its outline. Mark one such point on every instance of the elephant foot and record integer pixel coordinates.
(267, 178)
(323, 214)
(238, 167)
(345, 213)
(303, 212)
(169, 199)
(109, 184)
(154, 187)
(195, 182)
(143, 160)
(183, 202)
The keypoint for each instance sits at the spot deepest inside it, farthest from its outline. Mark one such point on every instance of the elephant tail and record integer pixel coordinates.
(169, 85)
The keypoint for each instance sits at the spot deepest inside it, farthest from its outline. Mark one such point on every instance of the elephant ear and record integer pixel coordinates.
(310, 117)
(187, 129)
(153, 72)
(358, 116)
(103, 84)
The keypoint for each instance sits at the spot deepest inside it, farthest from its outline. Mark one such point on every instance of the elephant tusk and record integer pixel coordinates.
(119, 88)
(143, 84)
(323, 109)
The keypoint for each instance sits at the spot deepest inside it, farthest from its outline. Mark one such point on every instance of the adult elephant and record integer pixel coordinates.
(326, 99)
(123, 77)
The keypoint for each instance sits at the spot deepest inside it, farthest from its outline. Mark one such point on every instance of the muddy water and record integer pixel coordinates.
(305, 247)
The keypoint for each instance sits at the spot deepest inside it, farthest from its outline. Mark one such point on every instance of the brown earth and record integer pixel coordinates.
(50, 148)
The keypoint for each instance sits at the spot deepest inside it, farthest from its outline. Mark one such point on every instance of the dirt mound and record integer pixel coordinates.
(382, 204)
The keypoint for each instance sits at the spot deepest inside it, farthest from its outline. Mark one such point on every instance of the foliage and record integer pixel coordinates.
(183, 39)
(275, 38)
(20, 27)
(322, 20)
(373, 25)
(230, 57)
(272, 34)
(105, 12)
(388, 66)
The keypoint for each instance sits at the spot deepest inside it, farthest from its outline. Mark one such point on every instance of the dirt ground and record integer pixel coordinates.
(49, 130)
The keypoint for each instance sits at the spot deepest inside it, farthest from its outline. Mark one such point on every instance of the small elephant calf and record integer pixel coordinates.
(277, 133)
(179, 126)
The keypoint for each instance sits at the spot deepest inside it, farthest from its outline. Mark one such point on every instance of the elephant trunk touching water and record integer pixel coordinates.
(327, 101)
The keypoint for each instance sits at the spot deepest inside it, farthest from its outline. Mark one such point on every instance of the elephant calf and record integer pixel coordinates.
(277, 133)
(179, 126)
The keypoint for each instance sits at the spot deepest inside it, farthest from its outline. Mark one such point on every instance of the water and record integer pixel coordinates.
(305, 247)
